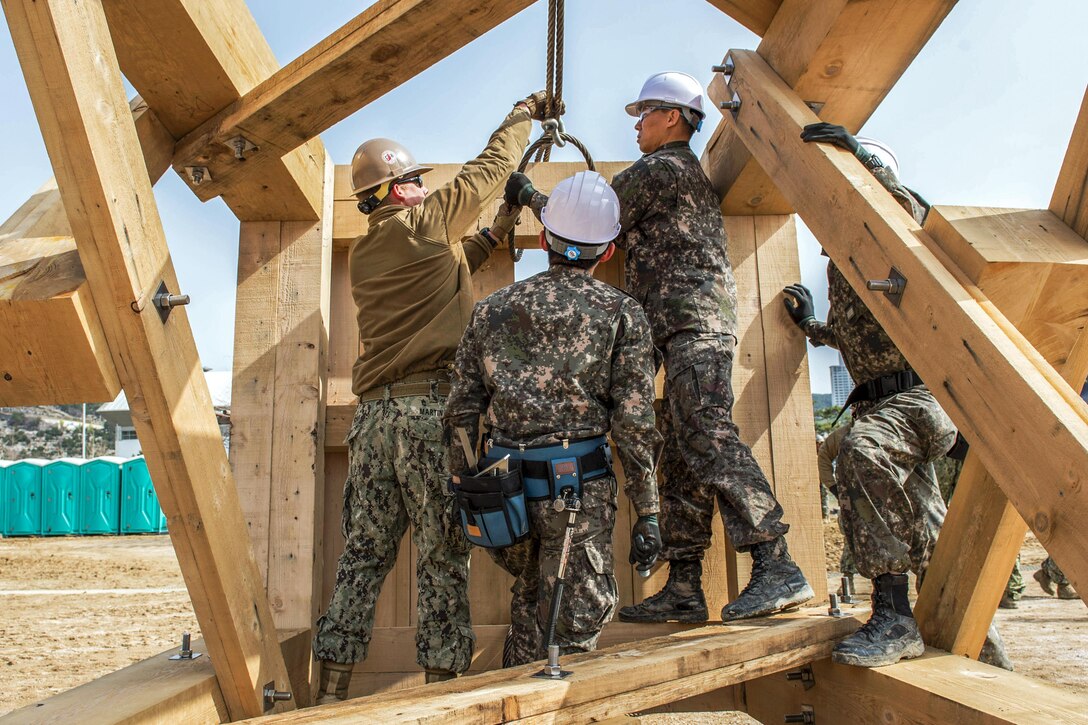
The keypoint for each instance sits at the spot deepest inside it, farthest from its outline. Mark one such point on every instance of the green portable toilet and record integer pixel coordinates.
(100, 496)
(23, 498)
(140, 511)
(60, 496)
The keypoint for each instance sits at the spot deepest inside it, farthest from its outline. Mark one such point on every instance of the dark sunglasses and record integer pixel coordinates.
(417, 180)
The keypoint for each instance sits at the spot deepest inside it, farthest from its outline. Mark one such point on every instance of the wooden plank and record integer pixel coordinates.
(996, 379)
(935, 689)
(191, 59)
(53, 350)
(1032, 267)
(349, 223)
(789, 400)
(756, 15)
(155, 690)
(334, 79)
(843, 54)
(630, 675)
(69, 63)
(1070, 199)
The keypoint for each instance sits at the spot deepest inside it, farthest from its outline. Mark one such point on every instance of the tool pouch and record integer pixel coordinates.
(492, 508)
(547, 470)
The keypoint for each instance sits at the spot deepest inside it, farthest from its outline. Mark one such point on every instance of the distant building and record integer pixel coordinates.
(128, 445)
(841, 384)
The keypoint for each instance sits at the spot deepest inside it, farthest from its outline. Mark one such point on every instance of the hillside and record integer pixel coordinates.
(52, 432)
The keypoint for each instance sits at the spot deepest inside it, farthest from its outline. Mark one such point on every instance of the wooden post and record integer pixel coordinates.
(71, 70)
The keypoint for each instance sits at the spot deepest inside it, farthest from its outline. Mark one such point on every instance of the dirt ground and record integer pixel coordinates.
(73, 609)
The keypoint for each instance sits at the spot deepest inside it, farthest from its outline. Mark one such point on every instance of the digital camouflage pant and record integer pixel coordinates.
(397, 477)
(704, 458)
(892, 518)
(590, 594)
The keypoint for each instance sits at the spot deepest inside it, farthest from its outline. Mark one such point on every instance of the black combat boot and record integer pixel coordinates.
(681, 600)
(891, 634)
(439, 676)
(776, 584)
(335, 678)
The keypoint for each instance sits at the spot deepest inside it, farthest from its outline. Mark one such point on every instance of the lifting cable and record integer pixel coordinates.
(554, 133)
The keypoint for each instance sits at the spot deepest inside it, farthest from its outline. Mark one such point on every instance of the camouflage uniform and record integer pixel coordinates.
(678, 269)
(560, 356)
(395, 479)
(892, 518)
(411, 282)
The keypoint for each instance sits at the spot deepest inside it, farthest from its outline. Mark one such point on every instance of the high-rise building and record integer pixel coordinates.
(841, 384)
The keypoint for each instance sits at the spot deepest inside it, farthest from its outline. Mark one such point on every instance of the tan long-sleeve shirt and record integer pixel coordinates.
(411, 274)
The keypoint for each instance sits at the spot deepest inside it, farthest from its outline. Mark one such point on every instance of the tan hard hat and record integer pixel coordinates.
(380, 160)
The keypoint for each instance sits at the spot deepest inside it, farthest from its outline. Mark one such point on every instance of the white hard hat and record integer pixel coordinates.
(879, 148)
(674, 88)
(582, 216)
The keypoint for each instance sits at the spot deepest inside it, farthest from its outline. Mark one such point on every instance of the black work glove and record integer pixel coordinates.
(645, 541)
(835, 135)
(798, 302)
(519, 190)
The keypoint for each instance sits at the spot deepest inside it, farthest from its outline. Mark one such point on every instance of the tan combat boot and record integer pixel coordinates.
(1066, 591)
(335, 678)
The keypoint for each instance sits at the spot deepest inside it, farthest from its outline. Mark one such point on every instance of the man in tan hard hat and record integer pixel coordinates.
(410, 277)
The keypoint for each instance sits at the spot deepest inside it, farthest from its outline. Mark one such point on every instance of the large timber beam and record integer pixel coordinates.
(606, 683)
(842, 55)
(384, 46)
(71, 70)
(989, 379)
(189, 60)
(1032, 267)
(756, 15)
(53, 349)
(935, 689)
(1070, 199)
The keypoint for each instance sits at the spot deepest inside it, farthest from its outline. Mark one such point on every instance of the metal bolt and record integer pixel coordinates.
(730, 106)
(833, 605)
(804, 676)
(186, 652)
(806, 716)
(888, 286)
(197, 174)
(273, 695)
(166, 301)
(240, 148)
(847, 591)
(725, 69)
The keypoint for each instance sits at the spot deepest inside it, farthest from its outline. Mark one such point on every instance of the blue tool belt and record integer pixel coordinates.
(491, 508)
(547, 470)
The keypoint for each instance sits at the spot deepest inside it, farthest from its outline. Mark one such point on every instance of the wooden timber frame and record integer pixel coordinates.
(258, 539)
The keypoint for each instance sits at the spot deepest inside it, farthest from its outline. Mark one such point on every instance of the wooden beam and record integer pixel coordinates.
(191, 59)
(155, 690)
(1070, 199)
(844, 55)
(756, 15)
(386, 45)
(71, 71)
(609, 682)
(1032, 267)
(935, 689)
(53, 350)
(990, 378)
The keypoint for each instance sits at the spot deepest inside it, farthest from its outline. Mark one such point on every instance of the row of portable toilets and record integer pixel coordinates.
(73, 496)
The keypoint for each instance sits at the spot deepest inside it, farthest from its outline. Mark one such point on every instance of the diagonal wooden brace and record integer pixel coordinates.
(989, 378)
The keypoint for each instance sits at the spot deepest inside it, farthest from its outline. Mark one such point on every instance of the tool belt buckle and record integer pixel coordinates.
(565, 475)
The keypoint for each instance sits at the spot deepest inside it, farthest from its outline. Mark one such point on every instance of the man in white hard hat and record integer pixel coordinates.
(889, 499)
(549, 366)
(677, 267)
(410, 277)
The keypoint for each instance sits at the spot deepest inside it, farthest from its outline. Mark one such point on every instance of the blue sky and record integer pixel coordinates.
(982, 117)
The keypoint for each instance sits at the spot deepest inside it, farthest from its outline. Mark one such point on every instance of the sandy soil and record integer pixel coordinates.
(74, 609)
